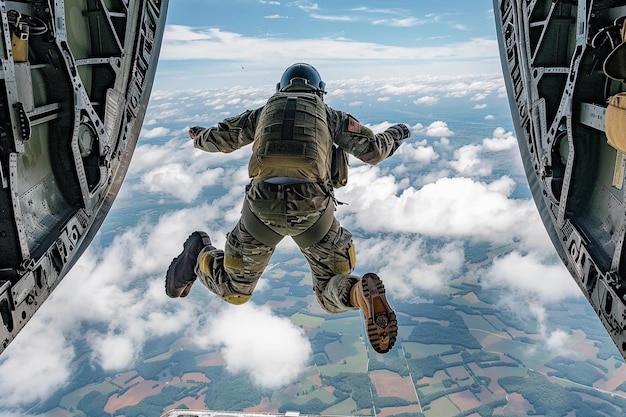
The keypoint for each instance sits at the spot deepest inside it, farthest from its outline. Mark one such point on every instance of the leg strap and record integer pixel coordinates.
(259, 230)
(315, 233)
(264, 234)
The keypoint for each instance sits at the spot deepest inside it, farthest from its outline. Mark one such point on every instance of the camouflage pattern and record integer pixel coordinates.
(346, 131)
(292, 139)
(288, 209)
(233, 273)
(332, 261)
(235, 270)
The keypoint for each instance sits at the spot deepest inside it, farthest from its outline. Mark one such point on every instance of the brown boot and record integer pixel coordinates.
(382, 326)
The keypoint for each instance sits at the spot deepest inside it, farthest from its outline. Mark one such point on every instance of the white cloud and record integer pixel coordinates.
(400, 22)
(449, 207)
(113, 352)
(417, 152)
(333, 18)
(115, 291)
(526, 284)
(499, 144)
(438, 128)
(409, 268)
(478, 97)
(36, 363)
(178, 181)
(270, 349)
(468, 159)
(436, 87)
(426, 101)
(560, 343)
(156, 132)
(184, 42)
(467, 162)
(544, 279)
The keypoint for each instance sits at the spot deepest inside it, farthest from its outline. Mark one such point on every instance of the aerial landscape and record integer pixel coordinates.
(491, 323)
(478, 335)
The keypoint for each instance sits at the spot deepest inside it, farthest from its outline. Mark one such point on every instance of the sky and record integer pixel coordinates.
(216, 44)
(383, 61)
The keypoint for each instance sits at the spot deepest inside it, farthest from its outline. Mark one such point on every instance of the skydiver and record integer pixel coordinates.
(294, 172)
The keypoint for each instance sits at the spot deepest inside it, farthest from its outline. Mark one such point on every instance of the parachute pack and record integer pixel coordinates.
(293, 140)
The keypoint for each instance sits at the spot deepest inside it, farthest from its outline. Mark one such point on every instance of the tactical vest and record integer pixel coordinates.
(292, 139)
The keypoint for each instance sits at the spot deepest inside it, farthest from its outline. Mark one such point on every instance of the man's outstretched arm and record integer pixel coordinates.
(229, 135)
(361, 142)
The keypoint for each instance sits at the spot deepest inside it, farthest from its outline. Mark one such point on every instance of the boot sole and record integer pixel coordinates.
(382, 325)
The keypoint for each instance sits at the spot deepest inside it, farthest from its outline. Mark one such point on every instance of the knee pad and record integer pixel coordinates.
(233, 261)
(236, 299)
(345, 254)
(205, 263)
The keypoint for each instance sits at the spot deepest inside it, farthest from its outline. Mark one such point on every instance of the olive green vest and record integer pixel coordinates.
(292, 139)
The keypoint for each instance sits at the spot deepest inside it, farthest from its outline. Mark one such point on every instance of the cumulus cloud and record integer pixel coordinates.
(40, 349)
(545, 280)
(417, 152)
(468, 162)
(408, 266)
(270, 349)
(468, 159)
(154, 133)
(176, 180)
(439, 129)
(104, 292)
(526, 306)
(529, 279)
(501, 141)
(432, 88)
(448, 207)
(124, 352)
(426, 101)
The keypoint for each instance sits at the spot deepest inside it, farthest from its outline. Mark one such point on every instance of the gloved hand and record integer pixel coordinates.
(194, 131)
(399, 131)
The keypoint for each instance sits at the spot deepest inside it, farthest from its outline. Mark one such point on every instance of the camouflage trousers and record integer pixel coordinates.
(234, 272)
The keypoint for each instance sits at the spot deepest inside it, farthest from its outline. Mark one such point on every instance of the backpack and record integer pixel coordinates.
(292, 139)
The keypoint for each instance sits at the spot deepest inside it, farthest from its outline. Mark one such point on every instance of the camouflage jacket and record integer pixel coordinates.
(346, 131)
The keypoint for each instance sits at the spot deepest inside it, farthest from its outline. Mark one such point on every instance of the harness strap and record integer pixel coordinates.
(259, 230)
(264, 234)
(315, 233)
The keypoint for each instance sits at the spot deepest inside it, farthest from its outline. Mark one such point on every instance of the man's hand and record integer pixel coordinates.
(399, 132)
(194, 131)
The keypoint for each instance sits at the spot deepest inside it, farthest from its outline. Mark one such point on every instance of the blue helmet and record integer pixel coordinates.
(301, 74)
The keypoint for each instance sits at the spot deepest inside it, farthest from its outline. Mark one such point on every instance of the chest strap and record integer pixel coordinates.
(269, 237)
